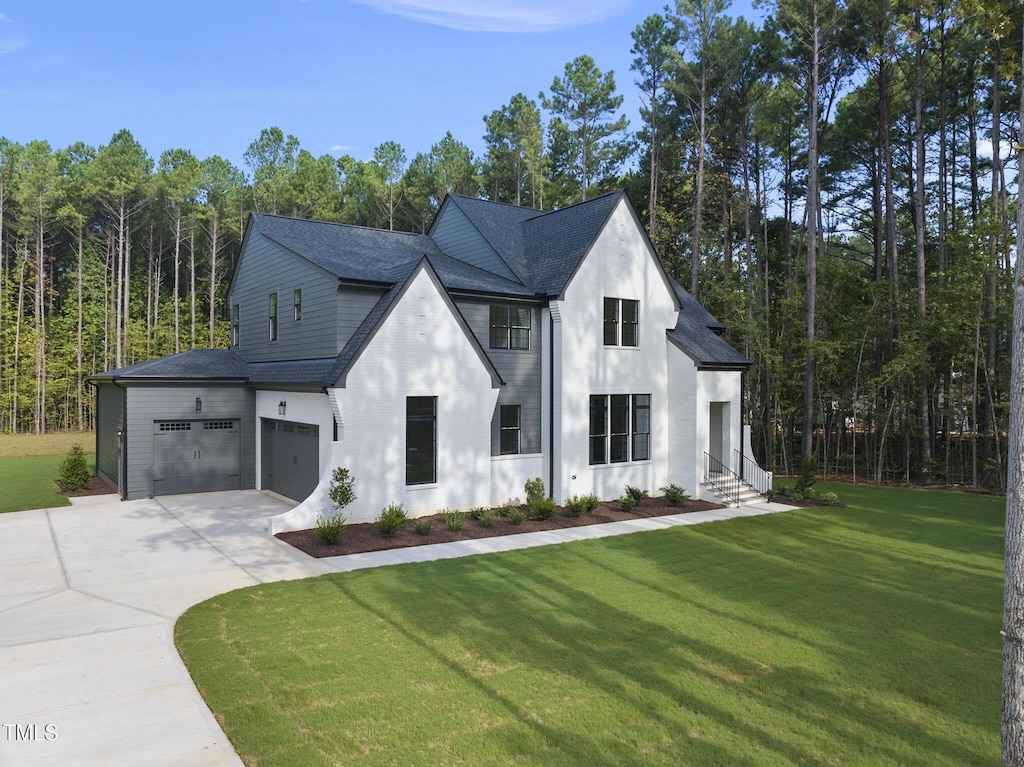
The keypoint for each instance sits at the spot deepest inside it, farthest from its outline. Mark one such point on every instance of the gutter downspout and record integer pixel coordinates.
(551, 401)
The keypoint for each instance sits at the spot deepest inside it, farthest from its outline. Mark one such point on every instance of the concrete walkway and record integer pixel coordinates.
(88, 598)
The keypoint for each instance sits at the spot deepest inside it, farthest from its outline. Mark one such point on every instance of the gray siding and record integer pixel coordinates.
(164, 402)
(519, 369)
(458, 238)
(353, 306)
(109, 418)
(267, 268)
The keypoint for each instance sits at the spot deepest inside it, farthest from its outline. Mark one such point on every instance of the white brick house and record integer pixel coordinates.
(443, 370)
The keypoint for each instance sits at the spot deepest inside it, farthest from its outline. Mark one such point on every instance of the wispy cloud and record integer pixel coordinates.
(11, 44)
(501, 15)
(340, 148)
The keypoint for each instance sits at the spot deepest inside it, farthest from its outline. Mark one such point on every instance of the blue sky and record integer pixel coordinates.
(341, 75)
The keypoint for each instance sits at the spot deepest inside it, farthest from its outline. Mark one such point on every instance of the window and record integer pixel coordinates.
(273, 316)
(234, 325)
(510, 327)
(298, 305)
(620, 428)
(510, 430)
(420, 440)
(621, 322)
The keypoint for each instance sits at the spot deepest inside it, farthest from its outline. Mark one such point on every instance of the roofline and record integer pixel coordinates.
(424, 264)
(454, 198)
(704, 364)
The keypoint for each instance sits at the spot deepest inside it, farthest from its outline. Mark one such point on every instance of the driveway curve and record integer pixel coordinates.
(89, 674)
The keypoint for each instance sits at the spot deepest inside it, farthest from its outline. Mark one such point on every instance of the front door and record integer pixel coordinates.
(715, 431)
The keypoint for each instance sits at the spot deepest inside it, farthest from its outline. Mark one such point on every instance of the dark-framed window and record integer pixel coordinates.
(420, 440)
(235, 334)
(620, 428)
(511, 433)
(621, 322)
(297, 305)
(273, 316)
(510, 327)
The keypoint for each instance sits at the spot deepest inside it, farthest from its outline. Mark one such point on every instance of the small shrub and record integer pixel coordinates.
(807, 478)
(543, 508)
(453, 519)
(829, 499)
(478, 512)
(506, 510)
(74, 471)
(341, 491)
(578, 505)
(636, 494)
(487, 519)
(770, 493)
(516, 516)
(674, 495)
(421, 526)
(784, 489)
(534, 490)
(329, 530)
(627, 502)
(391, 520)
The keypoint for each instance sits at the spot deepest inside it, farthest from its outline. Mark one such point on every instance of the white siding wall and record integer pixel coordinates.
(420, 350)
(619, 265)
(690, 420)
(509, 474)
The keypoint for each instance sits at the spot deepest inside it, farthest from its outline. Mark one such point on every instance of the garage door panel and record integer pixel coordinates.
(196, 456)
(291, 458)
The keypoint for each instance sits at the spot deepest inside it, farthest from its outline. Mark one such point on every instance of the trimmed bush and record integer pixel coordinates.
(391, 520)
(487, 519)
(627, 502)
(674, 495)
(534, 490)
(342, 491)
(636, 494)
(74, 471)
(829, 499)
(421, 526)
(516, 516)
(329, 530)
(478, 512)
(453, 519)
(506, 510)
(578, 505)
(543, 508)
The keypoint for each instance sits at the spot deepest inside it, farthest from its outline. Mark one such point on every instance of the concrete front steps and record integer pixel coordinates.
(747, 495)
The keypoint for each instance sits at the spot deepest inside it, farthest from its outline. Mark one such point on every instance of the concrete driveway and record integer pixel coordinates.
(88, 598)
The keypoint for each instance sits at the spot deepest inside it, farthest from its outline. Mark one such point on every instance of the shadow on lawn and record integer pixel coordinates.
(819, 644)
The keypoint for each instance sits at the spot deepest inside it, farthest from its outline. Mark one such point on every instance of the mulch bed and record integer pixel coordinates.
(364, 537)
(96, 486)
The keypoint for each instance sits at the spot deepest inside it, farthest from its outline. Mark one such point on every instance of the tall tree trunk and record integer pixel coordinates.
(177, 280)
(79, 350)
(1013, 590)
(813, 202)
(698, 201)
(923, 398)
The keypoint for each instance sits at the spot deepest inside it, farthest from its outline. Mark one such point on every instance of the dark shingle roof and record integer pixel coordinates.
(348, 252)
(193, 364)
(696, 333)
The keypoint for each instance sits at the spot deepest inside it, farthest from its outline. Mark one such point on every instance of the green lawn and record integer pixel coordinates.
(859, 636)
(30, 464)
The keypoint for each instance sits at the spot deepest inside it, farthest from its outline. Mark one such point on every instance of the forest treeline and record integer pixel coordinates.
(835, 184)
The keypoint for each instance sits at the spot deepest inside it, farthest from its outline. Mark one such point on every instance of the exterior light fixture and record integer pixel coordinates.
(199, 404)
(281, 407)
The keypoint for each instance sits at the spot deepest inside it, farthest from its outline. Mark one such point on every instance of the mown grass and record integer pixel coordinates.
(860, 636)
(30, 464)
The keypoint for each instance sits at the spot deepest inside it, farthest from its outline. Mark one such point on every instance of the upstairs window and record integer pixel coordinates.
(621, 322)
(297, 304)
(510, 327)
(234, 325)
(273, 316)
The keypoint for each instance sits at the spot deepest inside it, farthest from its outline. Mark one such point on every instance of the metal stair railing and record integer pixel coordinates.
(752, 474)
(722, 478)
